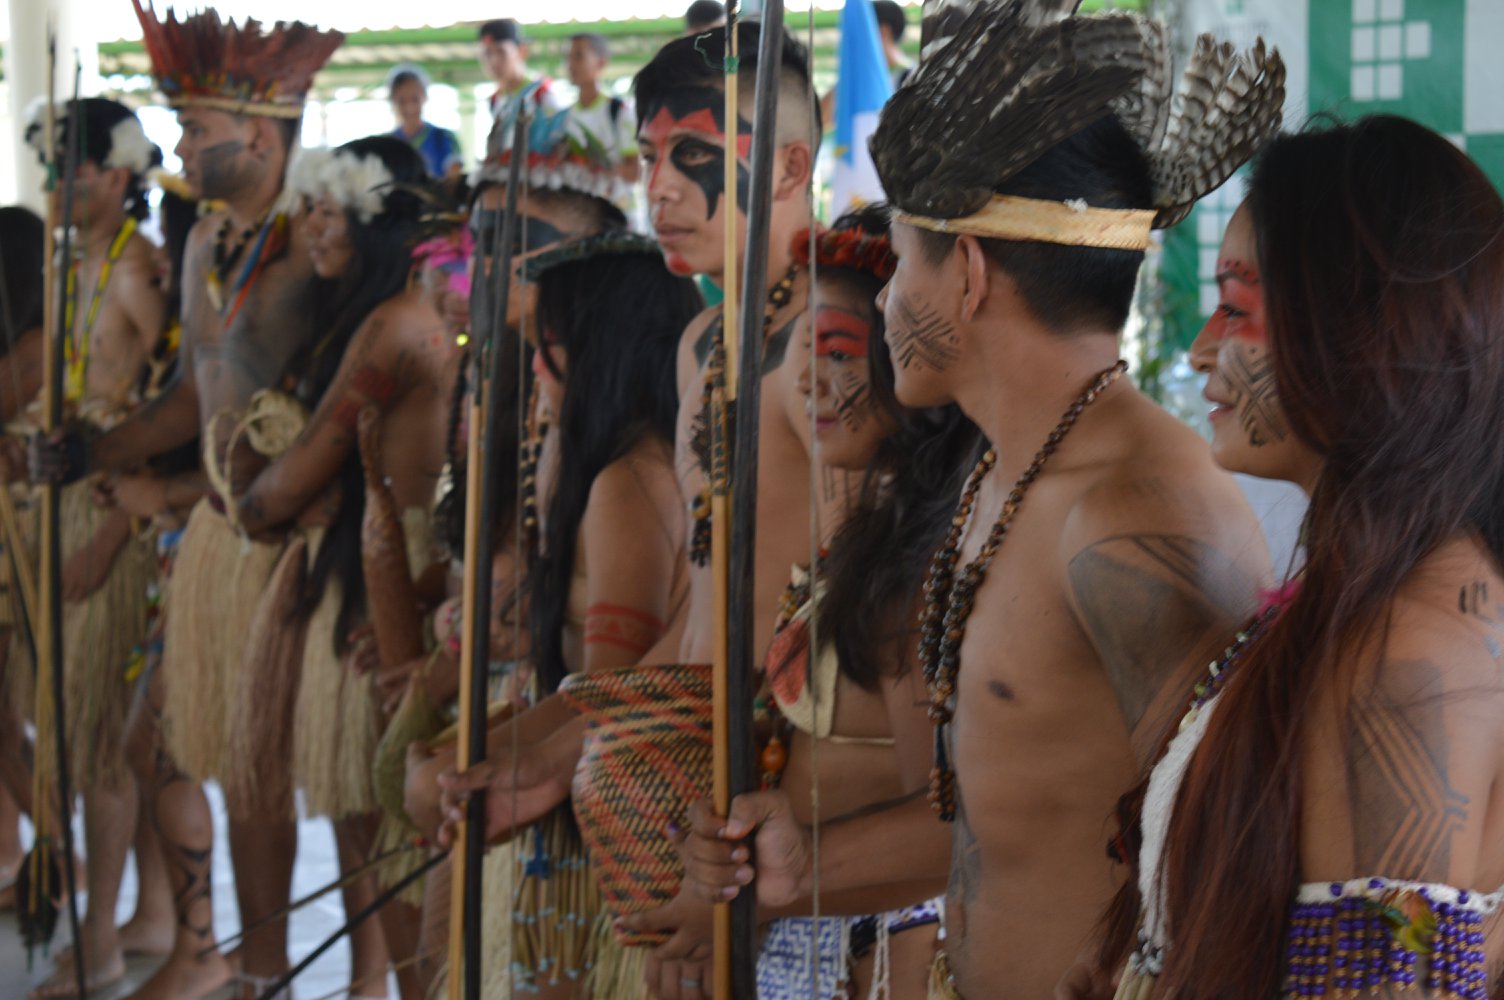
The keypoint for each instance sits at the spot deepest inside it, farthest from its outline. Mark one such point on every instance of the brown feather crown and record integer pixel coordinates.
(204, 61)
(1004, 81)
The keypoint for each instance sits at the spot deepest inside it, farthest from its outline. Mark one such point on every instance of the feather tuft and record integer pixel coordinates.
(1229, 105)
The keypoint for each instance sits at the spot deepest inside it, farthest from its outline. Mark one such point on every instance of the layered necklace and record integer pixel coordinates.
(715, 370)
(265, 240)
(949, 598)
(76, 344)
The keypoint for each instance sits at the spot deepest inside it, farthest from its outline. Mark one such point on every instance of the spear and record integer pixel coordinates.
(480, 547)
(735, 530)
(40, 868)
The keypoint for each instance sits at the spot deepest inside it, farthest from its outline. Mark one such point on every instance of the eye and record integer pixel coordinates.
(694, 154)
(836, 354)
(1229, 312)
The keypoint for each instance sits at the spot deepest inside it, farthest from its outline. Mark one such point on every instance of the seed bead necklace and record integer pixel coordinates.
(715, 370)
(948, 599)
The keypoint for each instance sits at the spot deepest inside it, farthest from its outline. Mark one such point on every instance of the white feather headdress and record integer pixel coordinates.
(357, 183)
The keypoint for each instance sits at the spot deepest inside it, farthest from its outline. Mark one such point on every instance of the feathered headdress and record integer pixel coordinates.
(359, 184)
(848, 248)
(110, 134)
(1004, 81)
(562, 153)
(203, 61)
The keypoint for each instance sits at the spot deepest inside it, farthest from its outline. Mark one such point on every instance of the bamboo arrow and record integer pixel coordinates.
(733, 544)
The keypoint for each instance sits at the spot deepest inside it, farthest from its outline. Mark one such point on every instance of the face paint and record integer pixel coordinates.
(689, 130)
(1244, 362)
(840, 333)
(217, 170)
(920, 337)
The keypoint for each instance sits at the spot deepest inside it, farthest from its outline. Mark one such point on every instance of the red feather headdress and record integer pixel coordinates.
(848, 248)
(203, 61)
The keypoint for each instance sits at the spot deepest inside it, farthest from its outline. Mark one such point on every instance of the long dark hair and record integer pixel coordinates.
(878, 557)
(1381, 248)
(378, 271)
(619, 317)
(22, 235)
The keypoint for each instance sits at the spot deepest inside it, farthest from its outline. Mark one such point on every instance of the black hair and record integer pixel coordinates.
(703, 13)
(619, 317)
(695, 61)
(97, 118)
(406, 76)
(22, 235)
(595, 40)
(1073, 288)
(890, 16)
(503, 29)
(877, 560)
(379, 270)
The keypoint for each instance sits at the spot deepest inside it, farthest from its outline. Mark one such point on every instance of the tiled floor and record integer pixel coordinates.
(315, 868)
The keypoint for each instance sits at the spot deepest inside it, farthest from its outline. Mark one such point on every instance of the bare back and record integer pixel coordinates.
(129, 317)
(1130, 555)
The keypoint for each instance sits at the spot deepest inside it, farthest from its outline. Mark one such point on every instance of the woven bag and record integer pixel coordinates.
(647, 758)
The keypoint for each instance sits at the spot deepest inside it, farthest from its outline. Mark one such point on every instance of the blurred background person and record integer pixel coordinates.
(407, 89)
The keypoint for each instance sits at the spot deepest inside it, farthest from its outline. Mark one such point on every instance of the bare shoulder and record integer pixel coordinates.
(1448, 614)
(694, 347)
(1163, 560)
(641, 480)
(1416, 748)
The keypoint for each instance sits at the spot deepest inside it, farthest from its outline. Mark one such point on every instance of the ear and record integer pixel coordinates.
(975, 274)
(794, 164)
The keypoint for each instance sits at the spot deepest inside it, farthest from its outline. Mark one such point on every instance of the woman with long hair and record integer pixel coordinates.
(382, 346)
(1329, 817)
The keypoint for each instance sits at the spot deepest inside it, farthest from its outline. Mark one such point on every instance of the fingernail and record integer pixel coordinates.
(744, 874)
(729, 893)
(740, 854)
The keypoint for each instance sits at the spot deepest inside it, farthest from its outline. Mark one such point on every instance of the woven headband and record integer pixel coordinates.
(1068, 223)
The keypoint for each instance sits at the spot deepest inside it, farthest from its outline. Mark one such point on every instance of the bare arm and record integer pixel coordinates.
(632, 559)
(21, 373)
(169, 421)
(1157, 586)
(375, 371)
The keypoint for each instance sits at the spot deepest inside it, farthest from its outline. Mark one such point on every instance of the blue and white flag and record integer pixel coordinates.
(861, 90)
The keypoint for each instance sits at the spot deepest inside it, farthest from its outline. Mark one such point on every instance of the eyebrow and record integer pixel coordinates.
(845, 322)
(1237, 271)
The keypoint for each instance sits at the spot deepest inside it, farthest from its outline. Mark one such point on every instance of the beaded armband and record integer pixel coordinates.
(1349, 937)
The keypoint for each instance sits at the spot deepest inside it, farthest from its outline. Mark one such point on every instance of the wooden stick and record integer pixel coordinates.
(485, 452)
(720, 507)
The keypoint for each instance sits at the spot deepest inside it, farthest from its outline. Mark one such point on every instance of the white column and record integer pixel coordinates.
(26, 80)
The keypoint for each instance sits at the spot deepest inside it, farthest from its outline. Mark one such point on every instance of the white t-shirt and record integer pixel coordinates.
(612, 121)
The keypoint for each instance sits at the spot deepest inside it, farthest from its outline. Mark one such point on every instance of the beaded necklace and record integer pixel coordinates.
(1219, 669)
(715, 371)
(76, 344)
(949, 598)
(532, 450)
(225, 258)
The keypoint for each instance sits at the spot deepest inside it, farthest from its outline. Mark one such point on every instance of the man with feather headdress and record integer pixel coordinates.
(246, 317)
(1096, 558)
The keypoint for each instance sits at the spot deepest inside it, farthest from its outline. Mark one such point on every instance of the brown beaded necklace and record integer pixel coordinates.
(715, 371)
(948, 598)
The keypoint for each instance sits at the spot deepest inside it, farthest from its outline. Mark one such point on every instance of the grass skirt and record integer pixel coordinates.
(100, 633)
(257, 774)
(217, 582)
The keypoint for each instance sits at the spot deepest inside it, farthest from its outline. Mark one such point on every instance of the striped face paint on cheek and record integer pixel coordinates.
(1243, 361)
(841, 340)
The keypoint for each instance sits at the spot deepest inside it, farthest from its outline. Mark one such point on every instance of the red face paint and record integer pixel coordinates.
(1240, 302)
(839, 331)
(688, 129)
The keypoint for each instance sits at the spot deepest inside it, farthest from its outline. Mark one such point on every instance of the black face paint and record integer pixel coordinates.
(217, 173)
(702, 109)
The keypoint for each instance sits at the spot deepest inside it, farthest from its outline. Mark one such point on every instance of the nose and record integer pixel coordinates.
(1203, 351)
(661, 186)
